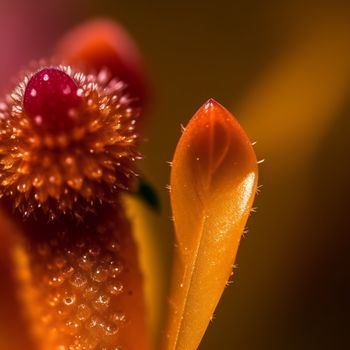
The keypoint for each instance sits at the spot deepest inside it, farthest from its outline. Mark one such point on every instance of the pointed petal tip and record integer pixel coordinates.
(213, 116)
(217, 111)
(211, 104)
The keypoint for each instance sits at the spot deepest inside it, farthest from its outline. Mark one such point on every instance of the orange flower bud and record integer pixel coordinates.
(213, 183)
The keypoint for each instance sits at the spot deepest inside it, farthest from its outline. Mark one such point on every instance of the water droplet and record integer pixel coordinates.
(86, 262)
(102, 302)
(78, 280)
(118, 318)
(22, 187)
(53, 300)
(67, 271)
(72, 327)
(94, 250)
(115, 288)
(83, 312)
(56, 281)
(107, 259)
(94, 325)
(115, 268)
(70, 254)
(100, 274)
(90, 292)
(69, 299)
(114, 246)
(38, 181)
(110, 329)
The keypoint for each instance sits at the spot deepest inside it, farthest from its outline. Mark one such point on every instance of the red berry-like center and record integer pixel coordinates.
(51, 100)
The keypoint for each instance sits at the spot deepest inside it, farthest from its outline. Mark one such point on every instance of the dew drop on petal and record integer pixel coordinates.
(67, 271)
(115, 269)
(55, 281)
(83, 312)
(102, 302)
(115, 288)
(99, 274)
(78, 280)
(118, 318)
(110, 329)
(86, 262)
(69, 299)
(90, 292)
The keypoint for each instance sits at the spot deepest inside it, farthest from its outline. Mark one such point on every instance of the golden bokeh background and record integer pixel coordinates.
(283, 69)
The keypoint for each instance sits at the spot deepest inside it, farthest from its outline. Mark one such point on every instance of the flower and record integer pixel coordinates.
(69, 139)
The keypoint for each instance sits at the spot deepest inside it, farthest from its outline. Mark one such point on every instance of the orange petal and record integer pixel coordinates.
(12, 315)
(213, 183)
(135, 335)
(146, 222)
(100, 44)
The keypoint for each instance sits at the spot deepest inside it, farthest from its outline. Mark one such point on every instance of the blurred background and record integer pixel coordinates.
(283, 69)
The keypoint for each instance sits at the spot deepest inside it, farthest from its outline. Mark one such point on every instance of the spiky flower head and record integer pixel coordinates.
(67, 141)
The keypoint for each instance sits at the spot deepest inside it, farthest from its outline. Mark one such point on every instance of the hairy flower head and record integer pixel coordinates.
(67, 141)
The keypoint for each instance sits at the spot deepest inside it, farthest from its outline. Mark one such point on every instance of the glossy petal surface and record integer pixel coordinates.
(213, 183)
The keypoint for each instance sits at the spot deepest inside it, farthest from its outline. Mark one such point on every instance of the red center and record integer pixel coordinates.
(51, 100)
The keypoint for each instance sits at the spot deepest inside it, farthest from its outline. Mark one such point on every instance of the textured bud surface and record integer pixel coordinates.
(74, 281)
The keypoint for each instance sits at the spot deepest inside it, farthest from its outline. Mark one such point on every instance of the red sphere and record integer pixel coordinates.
(51, 100)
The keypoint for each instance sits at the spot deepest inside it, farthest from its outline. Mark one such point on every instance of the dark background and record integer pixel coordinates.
(283, 68)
